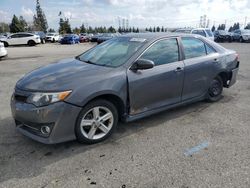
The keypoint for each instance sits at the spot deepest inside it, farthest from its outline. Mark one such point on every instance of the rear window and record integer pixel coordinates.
(193, 47)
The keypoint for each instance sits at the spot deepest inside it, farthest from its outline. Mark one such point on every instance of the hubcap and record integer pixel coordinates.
(215, 89)
(97, 123)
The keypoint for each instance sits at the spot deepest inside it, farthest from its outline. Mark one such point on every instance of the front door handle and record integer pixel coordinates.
(178, 69)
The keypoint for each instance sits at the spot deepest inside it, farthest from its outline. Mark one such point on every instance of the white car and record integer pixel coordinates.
(52, 37)
(21, 39)
(205, 32)
(3, 51)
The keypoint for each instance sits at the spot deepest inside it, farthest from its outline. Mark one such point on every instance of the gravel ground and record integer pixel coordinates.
(199, 145)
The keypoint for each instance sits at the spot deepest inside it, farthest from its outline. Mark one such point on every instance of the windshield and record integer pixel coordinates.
(112, 53)
(246, 32)
(222, 32)
(209, 32)
(50, 34)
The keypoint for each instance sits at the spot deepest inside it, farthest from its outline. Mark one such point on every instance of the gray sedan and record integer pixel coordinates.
(122, 79)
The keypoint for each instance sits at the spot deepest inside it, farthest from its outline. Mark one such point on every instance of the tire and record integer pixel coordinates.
(31, 43)
(5, 44)
(53, 40)
(92, 131)
(215, 90)
(241, 40)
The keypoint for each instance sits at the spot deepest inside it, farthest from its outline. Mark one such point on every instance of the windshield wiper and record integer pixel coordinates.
(86, 61)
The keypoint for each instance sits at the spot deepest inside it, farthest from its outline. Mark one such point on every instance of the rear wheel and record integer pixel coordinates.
(241, 39)
(96, 122)
(215, 90)
(31, 43)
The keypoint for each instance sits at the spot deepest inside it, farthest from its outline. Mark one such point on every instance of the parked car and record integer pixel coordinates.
(205, 32)
(42, 36)
(104, 37)
(3, 51)
(241, 35)
(52, 37)
(84, 37)
(21, 39)
(70, 39)
(125, 78)
(222, 36)
(95, 37)
(183, 30)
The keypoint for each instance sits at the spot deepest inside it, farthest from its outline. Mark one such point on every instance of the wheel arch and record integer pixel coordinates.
(114, 99)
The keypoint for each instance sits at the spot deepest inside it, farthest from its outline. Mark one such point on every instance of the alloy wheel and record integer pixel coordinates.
(96, 123)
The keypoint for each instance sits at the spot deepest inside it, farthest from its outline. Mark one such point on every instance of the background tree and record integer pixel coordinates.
(248, 26)
(4, 27)
(158, 29)
(76, 30)
(150, 29)
(83, 29)
(230, 29)
(23, 24)
(64, 26)
(221, 27)
(162, 29)
(137, 30)
(154, 29)
(40, 21)
(51, 30)
(213, 28)
(15, 25)
(111, 29)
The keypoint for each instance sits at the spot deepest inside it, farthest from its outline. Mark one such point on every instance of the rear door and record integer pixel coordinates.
(161, 85)
(200, 60)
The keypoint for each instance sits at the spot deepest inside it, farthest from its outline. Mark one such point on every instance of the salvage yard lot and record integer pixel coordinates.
(199, 145)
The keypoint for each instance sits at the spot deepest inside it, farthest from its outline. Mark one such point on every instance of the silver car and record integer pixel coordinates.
(123, 79)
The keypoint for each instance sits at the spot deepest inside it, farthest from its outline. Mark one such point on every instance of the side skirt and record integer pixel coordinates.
(130, 118)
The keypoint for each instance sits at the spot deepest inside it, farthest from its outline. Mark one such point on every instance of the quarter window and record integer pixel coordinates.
(193, 47)
(210, 50)
(163, 52)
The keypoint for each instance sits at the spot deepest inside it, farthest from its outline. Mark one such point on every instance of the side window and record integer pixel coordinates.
(209, 49)
(15, 36)
(25, 35)
(163, 52)
(193, 47)
(201, 32)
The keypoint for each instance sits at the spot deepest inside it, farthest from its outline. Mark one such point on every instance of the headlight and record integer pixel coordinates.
(43, 99)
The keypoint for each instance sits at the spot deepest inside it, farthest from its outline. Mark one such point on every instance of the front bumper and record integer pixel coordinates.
(60, 117)
(3, 52)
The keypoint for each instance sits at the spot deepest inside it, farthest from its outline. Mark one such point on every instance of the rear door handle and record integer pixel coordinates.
(178, 69)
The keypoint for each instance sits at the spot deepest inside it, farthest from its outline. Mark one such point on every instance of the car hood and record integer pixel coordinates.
(67, 74)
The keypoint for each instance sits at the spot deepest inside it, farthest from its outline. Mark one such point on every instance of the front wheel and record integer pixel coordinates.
(96, 122)
(215, 90)
(241, 40)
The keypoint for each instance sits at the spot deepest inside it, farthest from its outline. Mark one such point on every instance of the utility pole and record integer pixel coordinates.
(245, 22)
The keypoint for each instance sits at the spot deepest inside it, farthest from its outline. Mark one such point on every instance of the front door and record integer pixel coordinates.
(161, 85)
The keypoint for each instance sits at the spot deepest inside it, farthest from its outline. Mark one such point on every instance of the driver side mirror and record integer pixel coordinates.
(142, 64)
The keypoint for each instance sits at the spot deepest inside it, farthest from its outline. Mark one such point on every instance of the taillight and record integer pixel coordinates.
(237, 57)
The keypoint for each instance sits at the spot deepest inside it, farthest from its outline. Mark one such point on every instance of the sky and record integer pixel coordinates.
(140, 13)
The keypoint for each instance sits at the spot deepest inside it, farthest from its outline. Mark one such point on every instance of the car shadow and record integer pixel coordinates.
(21, 157)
